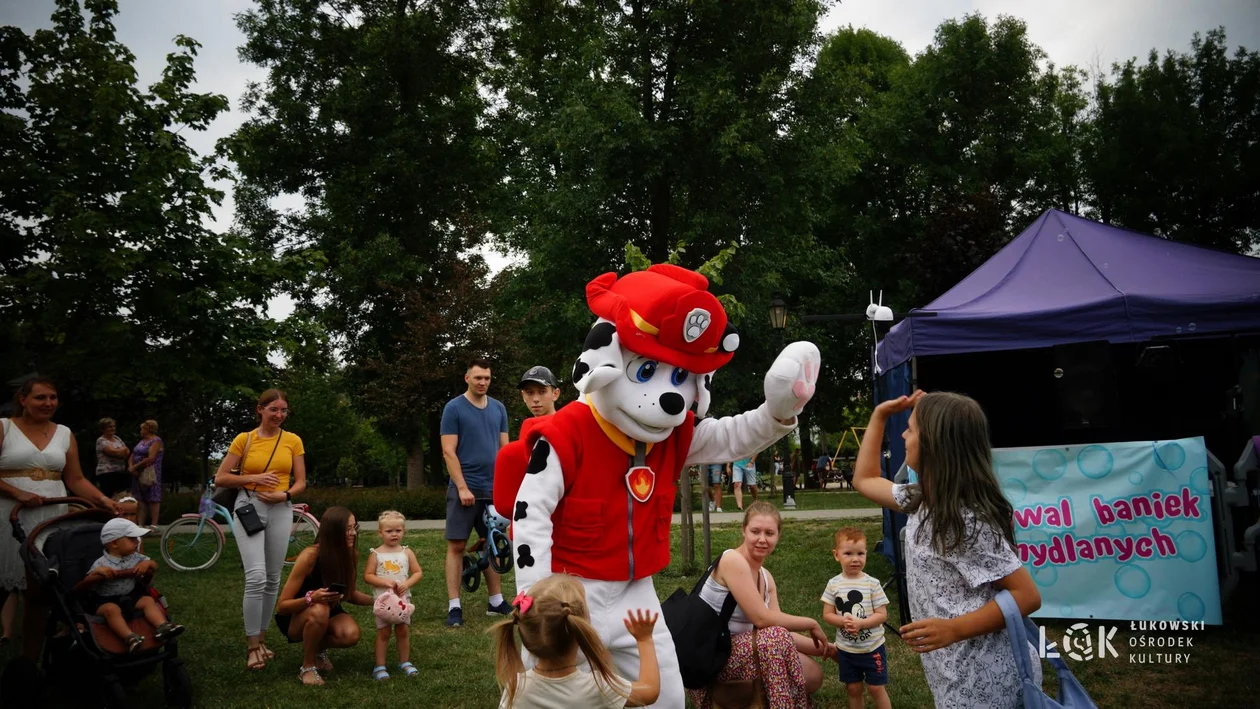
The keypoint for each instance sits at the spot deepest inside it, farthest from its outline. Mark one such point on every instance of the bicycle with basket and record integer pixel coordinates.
(195, 541)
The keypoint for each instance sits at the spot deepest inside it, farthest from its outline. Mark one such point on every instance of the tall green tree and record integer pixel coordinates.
(371, 115)
(1177, 145)
(959, 149)
(668, 125)
(110, 280)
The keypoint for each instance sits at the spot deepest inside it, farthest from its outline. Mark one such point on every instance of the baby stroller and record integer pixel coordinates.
(58, 553)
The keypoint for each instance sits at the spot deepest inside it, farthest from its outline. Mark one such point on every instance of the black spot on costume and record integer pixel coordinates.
(520, 511)
(523, 557)
(579, 370)
(538, 459)
(600, 336)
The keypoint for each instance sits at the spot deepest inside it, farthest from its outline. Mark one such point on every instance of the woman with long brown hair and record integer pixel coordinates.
(272, 472)
(959, 548)
(309, 611)
(38, 459)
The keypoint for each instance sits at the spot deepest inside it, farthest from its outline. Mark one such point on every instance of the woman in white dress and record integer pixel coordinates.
(38, 459)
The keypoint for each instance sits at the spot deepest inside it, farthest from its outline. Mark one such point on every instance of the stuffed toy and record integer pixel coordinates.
(392, 608)
(591, 488)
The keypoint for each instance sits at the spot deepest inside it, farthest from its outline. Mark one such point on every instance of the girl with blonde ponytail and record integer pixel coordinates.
(554, 624)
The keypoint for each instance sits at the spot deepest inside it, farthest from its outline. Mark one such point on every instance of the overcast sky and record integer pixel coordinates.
(1080, 32)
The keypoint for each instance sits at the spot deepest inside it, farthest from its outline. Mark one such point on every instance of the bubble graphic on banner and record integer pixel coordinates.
(1191, 607)
(1133, 581)
(1014, 490)
(1095, 462)
(1049, 464)
(1066, 610)
(1199, 481)
(1135, 478)
(1170, 456)
(1191, 546)
(1046, 576)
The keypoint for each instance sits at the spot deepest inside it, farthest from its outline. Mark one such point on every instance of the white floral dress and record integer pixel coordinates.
(979, 673)
(18, 453)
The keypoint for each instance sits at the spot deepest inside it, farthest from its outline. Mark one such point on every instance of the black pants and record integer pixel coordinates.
(789, 487)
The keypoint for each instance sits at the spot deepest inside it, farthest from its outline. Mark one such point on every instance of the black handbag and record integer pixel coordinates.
(702, 636)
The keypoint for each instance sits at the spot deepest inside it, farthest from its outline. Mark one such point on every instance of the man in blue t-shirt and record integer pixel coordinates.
(474, 427)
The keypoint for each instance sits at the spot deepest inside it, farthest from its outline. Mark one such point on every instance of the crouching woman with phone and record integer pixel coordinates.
(309, 611)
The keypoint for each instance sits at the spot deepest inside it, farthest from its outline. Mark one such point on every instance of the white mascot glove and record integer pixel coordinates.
(791, 379)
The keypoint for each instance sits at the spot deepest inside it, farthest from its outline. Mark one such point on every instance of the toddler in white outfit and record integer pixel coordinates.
(392, 568)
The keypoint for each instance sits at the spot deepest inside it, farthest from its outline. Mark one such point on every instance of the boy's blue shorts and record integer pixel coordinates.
(870, 667)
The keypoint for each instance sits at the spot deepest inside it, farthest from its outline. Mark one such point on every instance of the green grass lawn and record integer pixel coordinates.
(456, 666)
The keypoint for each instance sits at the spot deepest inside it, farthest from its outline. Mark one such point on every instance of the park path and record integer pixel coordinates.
(714, 517)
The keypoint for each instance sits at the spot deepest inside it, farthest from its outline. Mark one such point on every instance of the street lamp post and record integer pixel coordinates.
(778, 323)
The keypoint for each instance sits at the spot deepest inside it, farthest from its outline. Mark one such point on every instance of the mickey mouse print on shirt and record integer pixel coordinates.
(858, 597)
(853, 606)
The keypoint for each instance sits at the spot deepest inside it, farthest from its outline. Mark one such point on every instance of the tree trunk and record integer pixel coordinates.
(415, 464)
(807, 444)
(437, 465)
(687, 539)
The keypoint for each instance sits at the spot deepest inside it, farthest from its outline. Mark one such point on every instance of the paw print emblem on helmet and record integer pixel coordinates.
(697, 322)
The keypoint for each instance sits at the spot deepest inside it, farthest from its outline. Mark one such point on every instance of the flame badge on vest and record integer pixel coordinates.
(641, 482)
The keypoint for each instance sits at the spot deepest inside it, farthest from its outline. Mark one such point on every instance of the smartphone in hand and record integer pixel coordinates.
(338, 588)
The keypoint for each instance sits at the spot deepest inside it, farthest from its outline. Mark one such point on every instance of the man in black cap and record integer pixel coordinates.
(539, 390)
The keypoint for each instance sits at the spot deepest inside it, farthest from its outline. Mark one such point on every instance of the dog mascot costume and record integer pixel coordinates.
(591, 488)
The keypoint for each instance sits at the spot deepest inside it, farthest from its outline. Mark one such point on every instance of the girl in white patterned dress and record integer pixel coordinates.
(959, 549)
(392, 567)
(38, 459)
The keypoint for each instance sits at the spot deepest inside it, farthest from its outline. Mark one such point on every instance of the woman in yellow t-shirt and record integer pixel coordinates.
(273, 473)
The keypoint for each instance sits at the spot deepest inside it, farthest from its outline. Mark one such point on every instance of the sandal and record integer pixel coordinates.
(379, 673)
(134, 641)
(321, 662)
(254, 659)
(408, 669)
(267, 654)
(168, 630)
(312, 670)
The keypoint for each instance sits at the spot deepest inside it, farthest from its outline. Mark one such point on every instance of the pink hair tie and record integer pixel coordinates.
(523, 602)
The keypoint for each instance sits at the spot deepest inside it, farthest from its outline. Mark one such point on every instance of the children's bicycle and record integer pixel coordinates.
(195, 541)
(494, 550)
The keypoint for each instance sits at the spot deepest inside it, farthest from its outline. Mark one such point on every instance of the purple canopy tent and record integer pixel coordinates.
(1066, 280)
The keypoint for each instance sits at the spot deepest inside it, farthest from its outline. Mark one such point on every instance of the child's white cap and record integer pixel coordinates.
(117, 528)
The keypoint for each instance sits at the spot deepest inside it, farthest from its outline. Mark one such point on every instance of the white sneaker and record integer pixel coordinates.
(718, 509)
(710, 505)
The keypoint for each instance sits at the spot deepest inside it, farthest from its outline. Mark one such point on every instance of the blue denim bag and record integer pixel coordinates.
(1071, 694)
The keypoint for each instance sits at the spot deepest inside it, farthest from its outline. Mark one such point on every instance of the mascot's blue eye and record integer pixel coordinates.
(646, 371)
(679, 376)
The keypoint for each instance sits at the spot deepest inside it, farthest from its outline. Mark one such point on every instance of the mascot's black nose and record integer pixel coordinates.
(672, 403)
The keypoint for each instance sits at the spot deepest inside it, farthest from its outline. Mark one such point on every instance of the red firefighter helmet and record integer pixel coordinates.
(668, 314)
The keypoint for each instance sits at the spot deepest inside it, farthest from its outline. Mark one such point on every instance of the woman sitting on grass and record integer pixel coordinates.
(787, 673)
(309, 610)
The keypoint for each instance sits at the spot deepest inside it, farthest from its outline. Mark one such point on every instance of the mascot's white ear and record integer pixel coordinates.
(704, 385)
(600, 362)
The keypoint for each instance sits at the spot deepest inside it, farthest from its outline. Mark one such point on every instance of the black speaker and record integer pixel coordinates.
(1085, 385)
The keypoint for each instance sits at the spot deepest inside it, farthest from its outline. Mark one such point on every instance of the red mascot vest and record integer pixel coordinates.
(600, 531)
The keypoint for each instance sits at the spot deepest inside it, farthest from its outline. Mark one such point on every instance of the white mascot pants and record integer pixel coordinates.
(609, 603)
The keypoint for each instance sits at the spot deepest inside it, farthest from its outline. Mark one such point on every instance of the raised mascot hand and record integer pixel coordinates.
(791, 380)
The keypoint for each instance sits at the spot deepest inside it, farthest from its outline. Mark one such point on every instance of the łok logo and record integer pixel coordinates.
(1078, 643)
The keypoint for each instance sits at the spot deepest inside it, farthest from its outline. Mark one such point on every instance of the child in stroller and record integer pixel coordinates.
(58, 553)
(110, 587)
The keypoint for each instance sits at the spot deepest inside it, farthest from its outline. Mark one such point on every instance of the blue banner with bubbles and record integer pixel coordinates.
(1117, 531)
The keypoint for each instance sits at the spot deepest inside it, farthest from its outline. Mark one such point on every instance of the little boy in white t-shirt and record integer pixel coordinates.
(855, 604)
